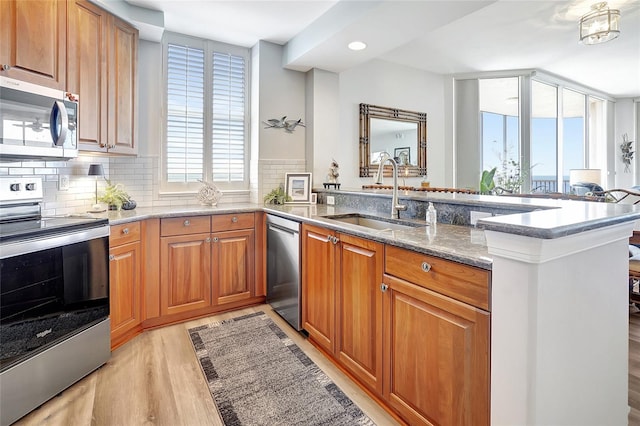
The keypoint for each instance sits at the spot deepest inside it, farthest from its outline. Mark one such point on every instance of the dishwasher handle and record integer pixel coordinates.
(283, 230)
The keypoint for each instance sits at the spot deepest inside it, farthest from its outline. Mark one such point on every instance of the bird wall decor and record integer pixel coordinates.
(627, 152)
(288, 125)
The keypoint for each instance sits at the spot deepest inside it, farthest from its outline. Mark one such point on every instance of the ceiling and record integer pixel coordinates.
(445, 37)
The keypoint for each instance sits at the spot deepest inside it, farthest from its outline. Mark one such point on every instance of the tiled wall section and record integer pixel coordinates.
(139, 176)
(271, 174)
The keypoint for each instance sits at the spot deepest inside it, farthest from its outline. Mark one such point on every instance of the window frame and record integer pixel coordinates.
(209, 47)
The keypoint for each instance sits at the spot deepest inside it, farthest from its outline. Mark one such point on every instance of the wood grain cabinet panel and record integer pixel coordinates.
(87, 73)
(359, 306)
(125, 282)
(185, 281)
(318, 285)
(233, 265)
(436, 351)
(33, 41)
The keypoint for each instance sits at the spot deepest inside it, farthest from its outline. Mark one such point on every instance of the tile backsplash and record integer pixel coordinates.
(139, 176)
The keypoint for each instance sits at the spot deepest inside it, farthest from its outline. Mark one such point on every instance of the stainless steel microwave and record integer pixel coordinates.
(37, 122)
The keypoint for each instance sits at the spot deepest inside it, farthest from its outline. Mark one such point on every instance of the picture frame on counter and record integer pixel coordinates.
(298, 187)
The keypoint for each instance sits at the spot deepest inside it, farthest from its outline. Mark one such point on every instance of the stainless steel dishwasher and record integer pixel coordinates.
(283, 269)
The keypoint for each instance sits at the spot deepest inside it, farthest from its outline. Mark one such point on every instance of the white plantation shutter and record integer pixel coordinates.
(227, 127)
(207, 114)
(185, 114)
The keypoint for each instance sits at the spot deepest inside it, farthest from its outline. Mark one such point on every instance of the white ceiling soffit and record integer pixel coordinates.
(382, 25)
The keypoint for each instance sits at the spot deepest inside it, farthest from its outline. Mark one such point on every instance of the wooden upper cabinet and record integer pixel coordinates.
(359, 309)
(102, 70)
(123, 60)
(87, 71)
(33, 44)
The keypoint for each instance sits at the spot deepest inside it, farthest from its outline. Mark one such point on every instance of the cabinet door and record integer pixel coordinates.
(123, 54)
(233, 266)
(124, 289)
(359, 309)
(318, 285)
(185, 282)
(33, 41)
(436, 352)
(87, 71)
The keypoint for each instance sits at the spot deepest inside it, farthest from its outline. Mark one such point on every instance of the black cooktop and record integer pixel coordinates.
(47, 226)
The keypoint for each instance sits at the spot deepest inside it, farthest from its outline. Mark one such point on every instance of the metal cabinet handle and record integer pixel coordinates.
(6, 67)
(426, 267)
(112, 257)
(234, 219)
(384, 287)
(125, 231)
(187, 222)
(207, 240)
(336, 240)
(333, 239)
(215, 239)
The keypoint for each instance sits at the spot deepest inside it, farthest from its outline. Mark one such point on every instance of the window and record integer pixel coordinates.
(206, 114)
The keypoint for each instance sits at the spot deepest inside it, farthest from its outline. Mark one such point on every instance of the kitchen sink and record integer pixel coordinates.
(374, 222)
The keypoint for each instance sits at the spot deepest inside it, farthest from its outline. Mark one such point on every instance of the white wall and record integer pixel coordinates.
(625, 123)
(385, 84)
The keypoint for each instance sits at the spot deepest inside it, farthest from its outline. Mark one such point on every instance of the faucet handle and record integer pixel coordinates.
(401, 207)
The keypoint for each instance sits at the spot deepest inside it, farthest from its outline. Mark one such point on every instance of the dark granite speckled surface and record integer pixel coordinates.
(453, 238)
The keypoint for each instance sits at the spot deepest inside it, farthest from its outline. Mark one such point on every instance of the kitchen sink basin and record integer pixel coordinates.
(373, 222)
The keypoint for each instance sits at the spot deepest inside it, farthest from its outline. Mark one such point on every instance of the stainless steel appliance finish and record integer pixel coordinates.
(37, 122)
(283, 269)
(54, 298)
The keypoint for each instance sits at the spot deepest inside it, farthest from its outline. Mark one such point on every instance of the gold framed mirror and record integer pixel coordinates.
(401, 133)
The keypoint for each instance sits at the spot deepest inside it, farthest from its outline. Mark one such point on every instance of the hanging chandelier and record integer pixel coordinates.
(599, 25)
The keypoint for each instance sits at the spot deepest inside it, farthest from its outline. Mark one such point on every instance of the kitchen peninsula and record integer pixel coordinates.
(557, 294)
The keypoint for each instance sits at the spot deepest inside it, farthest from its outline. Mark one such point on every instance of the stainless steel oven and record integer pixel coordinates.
(54, 299)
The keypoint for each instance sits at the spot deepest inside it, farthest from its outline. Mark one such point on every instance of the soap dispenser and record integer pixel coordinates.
(432, 215)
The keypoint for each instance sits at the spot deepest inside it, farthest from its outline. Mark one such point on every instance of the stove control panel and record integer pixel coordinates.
(20, 189)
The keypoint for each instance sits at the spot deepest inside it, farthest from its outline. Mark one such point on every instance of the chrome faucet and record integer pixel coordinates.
(396, 207)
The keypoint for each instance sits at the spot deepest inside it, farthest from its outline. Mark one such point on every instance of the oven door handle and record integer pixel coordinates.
(59, 110)
(37, 244)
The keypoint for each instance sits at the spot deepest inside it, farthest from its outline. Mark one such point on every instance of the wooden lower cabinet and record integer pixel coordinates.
(342, 300)
(125, 282)
(436, 357)
(185, 273)
(359, 309)
(233, 266)
(318, 285)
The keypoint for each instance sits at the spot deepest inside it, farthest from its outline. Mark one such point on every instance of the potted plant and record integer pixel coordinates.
(114, 196)
(277, 196)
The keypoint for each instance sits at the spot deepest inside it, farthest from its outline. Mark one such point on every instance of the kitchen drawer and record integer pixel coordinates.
(461, 282)
(185, 225)
(229, 222)
(124, 233)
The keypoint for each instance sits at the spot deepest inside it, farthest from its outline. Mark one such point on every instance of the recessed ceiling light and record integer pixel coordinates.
(357, 45)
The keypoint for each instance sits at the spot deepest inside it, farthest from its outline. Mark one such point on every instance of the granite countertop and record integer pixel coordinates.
(533, 217)
(458, 243)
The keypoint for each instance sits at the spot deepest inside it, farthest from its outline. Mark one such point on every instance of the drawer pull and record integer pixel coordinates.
(207, 240)
(112, 257)
(234, 219)
(426, 267)
(384, 287)
(125, 231)
(187, 222)
(215, 239)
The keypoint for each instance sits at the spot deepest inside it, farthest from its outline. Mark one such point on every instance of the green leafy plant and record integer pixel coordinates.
(486, 181)
(277, 196)
(114, 195)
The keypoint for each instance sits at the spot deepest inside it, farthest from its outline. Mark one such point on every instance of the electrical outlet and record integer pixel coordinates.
(474, 216)
(331, 201)
(63, 183)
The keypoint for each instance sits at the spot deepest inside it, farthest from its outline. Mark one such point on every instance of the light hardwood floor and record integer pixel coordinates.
(155, 379)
